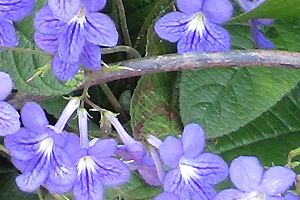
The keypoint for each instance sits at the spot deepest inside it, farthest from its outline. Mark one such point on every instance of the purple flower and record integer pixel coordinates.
(10, 11)
(252, 182)
(95, 165)
(193, 173)
(39, 150)
(291, 196)
(73, 31)
(9, 117)
(134, 154)
(260, 40)
(197, 26)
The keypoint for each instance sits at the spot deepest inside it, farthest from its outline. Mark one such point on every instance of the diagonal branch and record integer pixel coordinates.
(177, 62)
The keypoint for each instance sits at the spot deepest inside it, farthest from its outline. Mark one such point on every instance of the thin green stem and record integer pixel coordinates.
(40, 195)
(113, 100)
(123, 22)
(3, 149)
(131, 51)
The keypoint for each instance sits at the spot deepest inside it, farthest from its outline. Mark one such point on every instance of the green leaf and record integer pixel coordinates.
(135, 189)
(271, 136)
(153, 105)
(223, 100)
(273, 9)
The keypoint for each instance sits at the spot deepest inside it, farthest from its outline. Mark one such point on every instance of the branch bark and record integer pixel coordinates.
(177, 62)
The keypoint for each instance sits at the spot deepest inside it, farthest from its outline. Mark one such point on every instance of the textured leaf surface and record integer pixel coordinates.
(222, 100)
(270, 136)
(275, 9)
(153, 106)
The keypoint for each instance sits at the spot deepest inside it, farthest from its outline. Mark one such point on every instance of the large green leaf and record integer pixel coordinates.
(223, 100)
(270, 136)
(274, 9)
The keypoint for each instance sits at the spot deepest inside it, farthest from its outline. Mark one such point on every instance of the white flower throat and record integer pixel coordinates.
(86, 163)
(46, 147)
(197, 24)
(255, 195)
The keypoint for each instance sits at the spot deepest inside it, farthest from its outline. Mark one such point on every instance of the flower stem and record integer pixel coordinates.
(131, 51)
(40, 195)
(113, 100)
(123, 22)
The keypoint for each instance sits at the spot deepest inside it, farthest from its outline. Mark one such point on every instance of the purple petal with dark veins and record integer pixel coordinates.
(64, 9)
(100, 30)
(207, 167)
(62, 171)
(53, 188)
(94, 5)
(88, 186)
(175, 183)
(206, 192)
(15, 10)
(9, 119)
(217, 11)
(277, 180)
(291, 196)
(62, 70)
(24, 144)
(166, 196)
(6, 85)
(193, 140)
(190, 7)
(46, 23)
(91, 56)
(214, 39)
(34, 175)
(171, 27)
(111, 172)
(33, 117)
(71, 42)
(47, 42)
(72, 147)
(103, 148)
(246, 173)
(171, 151)
(8, 35)
(229, 194)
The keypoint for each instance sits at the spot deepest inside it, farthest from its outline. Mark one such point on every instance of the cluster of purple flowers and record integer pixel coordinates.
(62, 162)
(74, 31)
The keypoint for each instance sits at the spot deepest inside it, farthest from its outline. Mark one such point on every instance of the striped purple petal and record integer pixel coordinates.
(100, 30)
(15, 10)
(64, 9)
(62, 70)
(9, 119)
(6, 85)
(91, 56)
(8, 35)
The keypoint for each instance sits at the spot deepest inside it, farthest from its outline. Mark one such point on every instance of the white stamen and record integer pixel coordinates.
(197, 24)
(46, 147)
(88, 163)
(255, 195)
(187, 171)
